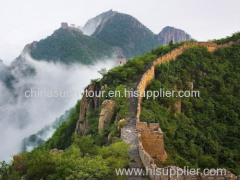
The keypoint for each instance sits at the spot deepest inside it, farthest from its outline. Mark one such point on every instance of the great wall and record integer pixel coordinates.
(146, 140)
(150, 142)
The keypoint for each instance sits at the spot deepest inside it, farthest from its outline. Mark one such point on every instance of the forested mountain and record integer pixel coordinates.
(128, 36)
(126, 33)
(68, 46)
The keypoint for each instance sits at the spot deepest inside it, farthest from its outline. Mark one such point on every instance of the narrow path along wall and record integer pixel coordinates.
(150, 137)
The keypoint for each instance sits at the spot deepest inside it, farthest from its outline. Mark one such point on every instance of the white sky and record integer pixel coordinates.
(23, 21)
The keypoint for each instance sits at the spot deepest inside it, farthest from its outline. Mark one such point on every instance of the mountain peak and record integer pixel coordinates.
(126, 34)
(169, 33)
(92, 24)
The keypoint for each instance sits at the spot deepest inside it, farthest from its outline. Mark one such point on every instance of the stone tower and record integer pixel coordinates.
(64, 25)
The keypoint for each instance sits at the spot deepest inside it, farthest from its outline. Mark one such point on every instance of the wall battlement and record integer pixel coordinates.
(150, 137)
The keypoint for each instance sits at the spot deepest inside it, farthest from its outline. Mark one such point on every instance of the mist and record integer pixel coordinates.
(90, 27)
(21, 116)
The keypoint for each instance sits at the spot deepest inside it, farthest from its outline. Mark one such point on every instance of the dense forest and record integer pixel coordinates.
(204, 134)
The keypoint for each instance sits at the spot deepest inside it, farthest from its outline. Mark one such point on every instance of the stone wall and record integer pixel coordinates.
(151, 142)
(151, 137)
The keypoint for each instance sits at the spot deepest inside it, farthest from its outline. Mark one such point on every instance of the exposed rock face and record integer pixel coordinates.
(87, 104)
(92, 24)
(30, 47)
(172, 34)
(106, 113)
(3, 71)
(56, 151)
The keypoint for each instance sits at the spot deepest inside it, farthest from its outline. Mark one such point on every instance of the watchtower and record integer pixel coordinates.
(64, 25)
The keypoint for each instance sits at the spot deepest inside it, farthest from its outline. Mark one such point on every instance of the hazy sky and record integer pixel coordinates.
(23, 21)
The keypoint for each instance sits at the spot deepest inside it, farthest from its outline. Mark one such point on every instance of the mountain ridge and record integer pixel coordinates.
(125, 33)
(108, 34)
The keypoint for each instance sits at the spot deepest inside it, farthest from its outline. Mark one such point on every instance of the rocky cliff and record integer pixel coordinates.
(90, 27)
(87, 104)
(106, 113)
(172, 34)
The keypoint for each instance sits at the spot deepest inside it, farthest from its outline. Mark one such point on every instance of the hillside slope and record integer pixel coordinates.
(191, 125)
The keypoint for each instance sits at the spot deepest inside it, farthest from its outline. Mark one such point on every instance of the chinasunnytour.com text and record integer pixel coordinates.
(161, 93)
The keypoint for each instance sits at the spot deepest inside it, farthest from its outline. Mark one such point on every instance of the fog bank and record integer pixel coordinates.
(21, 116)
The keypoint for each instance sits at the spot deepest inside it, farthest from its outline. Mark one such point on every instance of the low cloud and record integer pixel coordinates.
(21, 116)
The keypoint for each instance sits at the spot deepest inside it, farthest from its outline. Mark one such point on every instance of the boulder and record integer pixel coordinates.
(106, 113)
